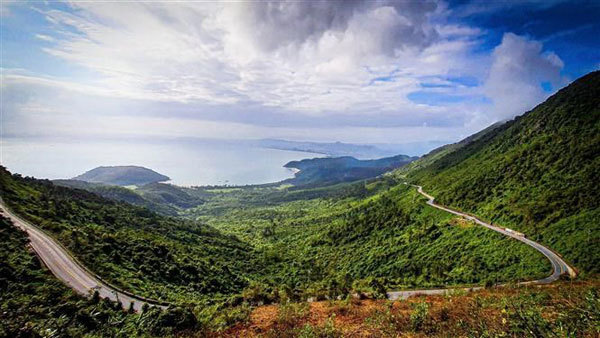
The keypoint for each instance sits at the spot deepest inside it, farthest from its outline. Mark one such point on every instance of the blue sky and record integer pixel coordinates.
(360, 71)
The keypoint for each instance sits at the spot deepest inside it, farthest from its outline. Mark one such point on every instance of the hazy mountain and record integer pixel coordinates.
(122, 175)
(335, 149)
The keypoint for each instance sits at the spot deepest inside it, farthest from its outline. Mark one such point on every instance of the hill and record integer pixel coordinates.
(33, 301)
(168, 194)
(122, 175)
(327, 171)
(538, 173)
(123, 194)
(131, 247)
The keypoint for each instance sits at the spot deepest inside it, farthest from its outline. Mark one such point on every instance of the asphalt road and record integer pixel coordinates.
(63, 266)
(559, 266)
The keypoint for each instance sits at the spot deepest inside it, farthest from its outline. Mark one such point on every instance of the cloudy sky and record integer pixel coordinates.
(353, 71)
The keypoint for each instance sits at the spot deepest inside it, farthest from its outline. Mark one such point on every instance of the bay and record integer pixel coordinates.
(186, 164)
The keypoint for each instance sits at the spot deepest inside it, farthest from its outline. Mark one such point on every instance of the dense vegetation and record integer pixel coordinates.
(311, 245)
(538, 173)
(233, 247)
(327, 171)
(35, 304)
(122, 194)
(167, 194)
(331, 245)
(132, 247)
(122, 175)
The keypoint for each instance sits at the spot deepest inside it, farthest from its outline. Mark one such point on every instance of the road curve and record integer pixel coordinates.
(559, 266)
(69, 271)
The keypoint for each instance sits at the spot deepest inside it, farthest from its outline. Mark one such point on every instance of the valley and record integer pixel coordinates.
(218, 254)
(300, 169)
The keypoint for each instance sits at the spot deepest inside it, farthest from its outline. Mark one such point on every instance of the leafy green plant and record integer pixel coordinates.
(419, 316)
(290, 313)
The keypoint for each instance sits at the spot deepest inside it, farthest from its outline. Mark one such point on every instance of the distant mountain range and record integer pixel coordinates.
(122, 175)
(359, 151)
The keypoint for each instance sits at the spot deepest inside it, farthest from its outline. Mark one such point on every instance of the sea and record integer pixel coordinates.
(186, 164)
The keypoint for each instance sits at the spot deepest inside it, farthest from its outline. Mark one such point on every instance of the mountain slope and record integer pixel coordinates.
(538, 173)
(122, 175)
(444, 150)
(117, 193)
(167, 194)
(131, 247)
(34, 303)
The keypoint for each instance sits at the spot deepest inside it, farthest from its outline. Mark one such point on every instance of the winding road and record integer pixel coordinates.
(84, 282)
(559, 266)
(68, 270)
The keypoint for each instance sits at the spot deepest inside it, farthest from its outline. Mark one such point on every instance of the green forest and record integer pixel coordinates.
(132, 247)
(538, 173)
(35, 304)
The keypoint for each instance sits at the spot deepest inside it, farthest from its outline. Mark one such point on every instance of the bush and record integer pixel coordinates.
(173, 319)
(371, 286)
(257, 294)
(291, 313)
(328, 330)
(419, 315)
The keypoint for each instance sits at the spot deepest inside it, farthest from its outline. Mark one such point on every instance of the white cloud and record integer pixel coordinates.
(5, 7)
(518, 69)
(172, 69)
(44, 37)
(310, 57)
(42, 108)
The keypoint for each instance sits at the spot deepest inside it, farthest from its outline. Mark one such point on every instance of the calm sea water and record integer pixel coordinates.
(185, 164)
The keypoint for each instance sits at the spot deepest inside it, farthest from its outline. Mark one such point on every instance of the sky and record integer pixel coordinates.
(351, 71)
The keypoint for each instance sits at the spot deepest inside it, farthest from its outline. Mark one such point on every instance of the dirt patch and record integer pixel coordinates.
(495, 311)
(461, 222)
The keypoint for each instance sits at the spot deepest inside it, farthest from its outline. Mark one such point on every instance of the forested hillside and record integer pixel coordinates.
(327, 171)
(238, 247)
(132, 247)
(122, 194)
(383, 238)
(122, 175)
(35, 304)
(537, 173)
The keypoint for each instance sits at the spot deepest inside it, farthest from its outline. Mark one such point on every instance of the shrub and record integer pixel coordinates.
(419, 315)
(291, 313)
(173, 319)
(327, 330)
(257, 293)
